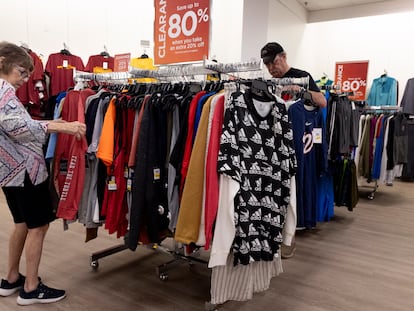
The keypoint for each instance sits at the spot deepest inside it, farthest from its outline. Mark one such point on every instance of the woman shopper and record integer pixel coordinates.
(24, 179)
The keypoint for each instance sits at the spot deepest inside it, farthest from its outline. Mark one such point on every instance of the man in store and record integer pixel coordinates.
(274, 57)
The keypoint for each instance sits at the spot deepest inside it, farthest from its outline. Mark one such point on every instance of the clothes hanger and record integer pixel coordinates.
(260, 88)
(307, 99)
(105, 53)
(144, 55)
(65, 50)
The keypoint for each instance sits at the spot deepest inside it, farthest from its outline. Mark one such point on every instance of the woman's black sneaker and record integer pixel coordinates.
(7, 288)
(42, 294)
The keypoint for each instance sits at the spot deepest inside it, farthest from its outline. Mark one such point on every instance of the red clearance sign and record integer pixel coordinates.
(352, 77)
(181, 31)
(121, 62)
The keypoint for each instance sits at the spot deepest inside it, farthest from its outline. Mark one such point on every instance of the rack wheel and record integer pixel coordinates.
(94, 264)
(163, 276)
(371, 196)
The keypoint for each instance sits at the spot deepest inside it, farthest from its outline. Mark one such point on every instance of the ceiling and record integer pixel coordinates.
(324, 10)
(315, 5)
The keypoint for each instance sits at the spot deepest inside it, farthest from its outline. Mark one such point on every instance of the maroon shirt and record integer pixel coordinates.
(59, 68)
(99, 63)
(69, 160)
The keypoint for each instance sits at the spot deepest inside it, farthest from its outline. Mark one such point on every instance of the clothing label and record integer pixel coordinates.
(65, 63)
(353, 105)
(317, 135)
(112, 184)
(105, 65)
(63, 167)
(126, 175)
(157, 174)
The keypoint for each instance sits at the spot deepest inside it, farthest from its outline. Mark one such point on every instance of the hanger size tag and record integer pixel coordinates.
(126, 172)
(112, 184)
(317, 135)
(157, 173)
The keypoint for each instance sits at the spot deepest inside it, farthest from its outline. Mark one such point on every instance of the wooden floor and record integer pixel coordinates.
(361, 260)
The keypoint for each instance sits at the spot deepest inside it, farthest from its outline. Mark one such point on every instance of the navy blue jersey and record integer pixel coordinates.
(311, 155)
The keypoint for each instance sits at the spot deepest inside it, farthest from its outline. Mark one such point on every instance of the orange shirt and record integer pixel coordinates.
(105, 150)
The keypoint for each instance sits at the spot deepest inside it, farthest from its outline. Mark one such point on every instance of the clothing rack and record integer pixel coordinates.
(107, 77)
(304, 82)
(195, 69)
(180, 253)
(177, 250)
(381, 108)
(378, 109)
(233, 67)
(169, 71)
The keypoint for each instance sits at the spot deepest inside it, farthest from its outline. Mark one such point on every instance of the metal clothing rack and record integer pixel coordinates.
(163, 73)
(182, 70)
(304, 81)
(233, 67)
(377, 109)
(381, 108)
(106, 77)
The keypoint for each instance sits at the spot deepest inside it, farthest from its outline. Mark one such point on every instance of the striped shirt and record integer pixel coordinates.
(21, 140)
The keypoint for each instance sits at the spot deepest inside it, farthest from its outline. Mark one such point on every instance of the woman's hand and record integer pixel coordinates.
(76, 128)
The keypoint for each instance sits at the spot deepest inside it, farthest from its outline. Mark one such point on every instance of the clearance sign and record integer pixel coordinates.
(181, 31)
(352, 77)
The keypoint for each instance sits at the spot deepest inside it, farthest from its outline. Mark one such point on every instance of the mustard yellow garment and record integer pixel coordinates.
(188, 223)
(143, 63)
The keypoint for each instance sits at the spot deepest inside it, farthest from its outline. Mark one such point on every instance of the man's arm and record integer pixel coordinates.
(318, 98)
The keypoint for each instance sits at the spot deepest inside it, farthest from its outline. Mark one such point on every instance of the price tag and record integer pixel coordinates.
(317, 135)
(129, 184)
(65, 63)
(112, 184)
(105, 65)
(157, 173)
(126, 175)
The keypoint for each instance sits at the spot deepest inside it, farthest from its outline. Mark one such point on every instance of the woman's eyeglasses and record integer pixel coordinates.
(23, 72)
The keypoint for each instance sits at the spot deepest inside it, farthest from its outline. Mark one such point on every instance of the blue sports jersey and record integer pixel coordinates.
(311, 157)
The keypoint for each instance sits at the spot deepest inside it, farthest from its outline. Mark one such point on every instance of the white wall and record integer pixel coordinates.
(386, 41)
(84, 26)
(287, 28)
(255, 28)
(239, 29)
(226, 30)
(87, 26)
